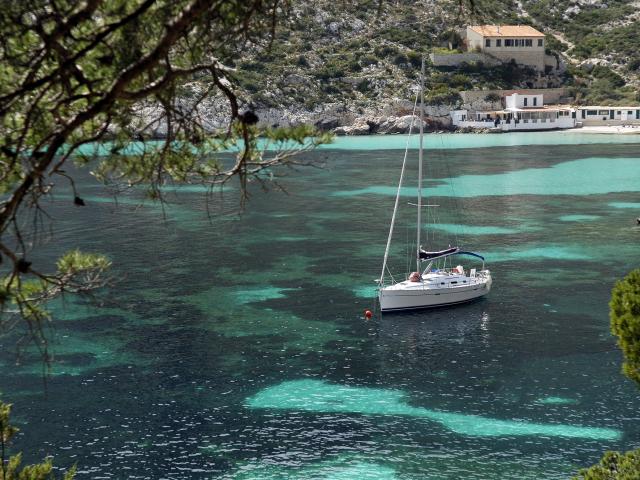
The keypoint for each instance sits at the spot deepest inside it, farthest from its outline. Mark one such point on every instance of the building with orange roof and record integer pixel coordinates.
(521, 43)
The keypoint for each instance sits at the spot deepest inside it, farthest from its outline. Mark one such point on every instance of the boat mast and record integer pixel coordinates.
(395, 207)
(420, 165)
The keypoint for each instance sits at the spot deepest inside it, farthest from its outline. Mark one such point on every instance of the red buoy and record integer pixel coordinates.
(368, 314)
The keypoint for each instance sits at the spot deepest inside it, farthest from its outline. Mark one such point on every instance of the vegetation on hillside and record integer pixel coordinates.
(596, 28)
(362, 57)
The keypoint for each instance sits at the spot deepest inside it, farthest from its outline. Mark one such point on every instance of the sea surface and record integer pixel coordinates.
(233, 345)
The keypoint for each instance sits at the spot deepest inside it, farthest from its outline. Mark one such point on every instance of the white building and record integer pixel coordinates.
(521, 43)
(602, 115)
(521, 112)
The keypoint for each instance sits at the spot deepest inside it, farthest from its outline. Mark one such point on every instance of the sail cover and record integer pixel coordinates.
(424, 255)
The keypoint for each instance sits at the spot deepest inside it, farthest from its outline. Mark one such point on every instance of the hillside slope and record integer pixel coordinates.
(362, 56)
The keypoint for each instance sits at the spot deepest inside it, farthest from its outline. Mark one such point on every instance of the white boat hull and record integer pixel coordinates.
(431, 293)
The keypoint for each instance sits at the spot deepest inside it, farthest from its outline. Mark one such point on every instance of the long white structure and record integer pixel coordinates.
(607, 115)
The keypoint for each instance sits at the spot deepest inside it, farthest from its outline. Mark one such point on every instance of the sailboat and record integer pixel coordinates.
(435, 284)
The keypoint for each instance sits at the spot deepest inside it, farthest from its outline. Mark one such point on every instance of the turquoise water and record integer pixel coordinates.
(588, 176)
(432, 141)
(578, 218)
(233, 344)
(318, 396)
(633, 205)
(457, 141)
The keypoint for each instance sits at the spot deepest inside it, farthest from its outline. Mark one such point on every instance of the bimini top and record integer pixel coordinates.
(424, 255)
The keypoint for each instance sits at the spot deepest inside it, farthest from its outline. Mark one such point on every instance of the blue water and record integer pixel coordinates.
(233, 345)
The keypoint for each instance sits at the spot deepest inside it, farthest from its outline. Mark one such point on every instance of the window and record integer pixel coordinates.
(528, 42)
(487, 42)
(525, 101)
(498, 42)
(603, 112)
(540, 42)
(630, 112)
(508, 42)
(593, 112)
(535, 101)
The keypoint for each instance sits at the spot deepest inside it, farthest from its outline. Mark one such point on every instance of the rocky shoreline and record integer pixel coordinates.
(395, 116)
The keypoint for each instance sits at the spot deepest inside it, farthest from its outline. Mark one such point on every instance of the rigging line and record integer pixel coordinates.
(393, 280)
(407, 254)
(457, 204)
(420, 157)
(395, 208)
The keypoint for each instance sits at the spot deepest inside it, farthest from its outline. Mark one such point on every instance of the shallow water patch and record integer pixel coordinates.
(460, 229)
(578, 218)
(589, 176)
(366, 291)
(556, 401)
(634, 205)
(259, 294)
(338, 469)
(550, 252)
(319, 396)
(234, 312)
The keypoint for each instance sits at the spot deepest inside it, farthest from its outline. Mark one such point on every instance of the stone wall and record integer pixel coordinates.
(455, 59)
(531, 58)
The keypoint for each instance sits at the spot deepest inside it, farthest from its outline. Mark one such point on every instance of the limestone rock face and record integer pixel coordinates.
(383, 125)
(401, 124)
(359, 127)
(327, 123)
